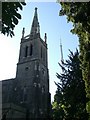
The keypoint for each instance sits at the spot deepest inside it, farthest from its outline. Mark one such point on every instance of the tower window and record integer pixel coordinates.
(31, 49)
(26, 51)
(44, 55)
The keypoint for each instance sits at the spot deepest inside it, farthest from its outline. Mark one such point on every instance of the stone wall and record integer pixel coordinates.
(12, 111)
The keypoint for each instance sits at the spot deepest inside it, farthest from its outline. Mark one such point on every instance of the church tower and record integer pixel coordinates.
(32, 78)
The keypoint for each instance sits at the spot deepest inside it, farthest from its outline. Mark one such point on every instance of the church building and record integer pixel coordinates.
(27, 95)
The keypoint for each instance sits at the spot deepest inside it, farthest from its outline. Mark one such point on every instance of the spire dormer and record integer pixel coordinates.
(35, 29)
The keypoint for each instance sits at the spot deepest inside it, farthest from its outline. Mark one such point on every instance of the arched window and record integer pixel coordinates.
(31, 49)
(26, 51)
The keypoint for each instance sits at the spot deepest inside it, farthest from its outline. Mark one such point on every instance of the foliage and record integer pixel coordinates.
(10, 16)
(70, 98)
(78, 13)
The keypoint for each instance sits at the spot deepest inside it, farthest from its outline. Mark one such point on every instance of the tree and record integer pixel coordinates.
(10, 16)
(78, 13)
(70, 98)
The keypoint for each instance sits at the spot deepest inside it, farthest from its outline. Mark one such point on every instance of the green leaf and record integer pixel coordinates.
(23, 3)
(10, 16)
(19, 5)
(18, 15)
(15, 20)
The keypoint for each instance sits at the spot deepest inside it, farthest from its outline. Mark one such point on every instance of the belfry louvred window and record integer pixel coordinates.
(26, 51)
(31, 49)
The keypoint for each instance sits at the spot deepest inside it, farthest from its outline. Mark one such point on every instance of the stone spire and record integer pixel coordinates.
(35, 24)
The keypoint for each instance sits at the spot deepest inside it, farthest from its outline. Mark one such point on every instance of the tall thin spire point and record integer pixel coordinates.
(62, 60)
(35, 11)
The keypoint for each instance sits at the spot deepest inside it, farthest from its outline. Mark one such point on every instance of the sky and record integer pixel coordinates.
(51, 23)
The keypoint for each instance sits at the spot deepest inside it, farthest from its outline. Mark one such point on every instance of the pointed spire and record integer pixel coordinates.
(62, 60)
(35, 24)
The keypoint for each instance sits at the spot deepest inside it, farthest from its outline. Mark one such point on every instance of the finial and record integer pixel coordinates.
(35, 8)
(23, 32)
(45, 37)
(35, 11)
